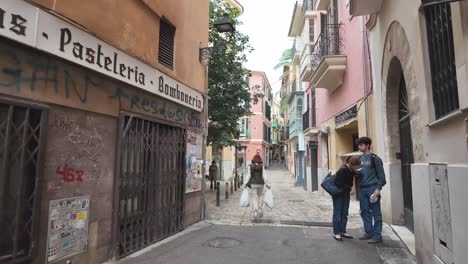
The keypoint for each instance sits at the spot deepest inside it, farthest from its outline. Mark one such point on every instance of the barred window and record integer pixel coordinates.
(166, 44)
(442, 56)
(21, 142)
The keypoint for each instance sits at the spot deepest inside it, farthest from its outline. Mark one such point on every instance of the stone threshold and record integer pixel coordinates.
(406, 236)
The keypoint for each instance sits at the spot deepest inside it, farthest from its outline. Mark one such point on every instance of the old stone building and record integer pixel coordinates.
(101, 126)
(419, 53)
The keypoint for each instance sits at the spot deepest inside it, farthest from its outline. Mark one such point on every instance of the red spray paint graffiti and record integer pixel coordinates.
(69, 174)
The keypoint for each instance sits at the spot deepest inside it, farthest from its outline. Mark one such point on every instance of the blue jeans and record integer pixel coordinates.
(371, 213)
(340, 212)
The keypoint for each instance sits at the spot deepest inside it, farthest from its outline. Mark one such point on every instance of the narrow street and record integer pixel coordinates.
(297, 230)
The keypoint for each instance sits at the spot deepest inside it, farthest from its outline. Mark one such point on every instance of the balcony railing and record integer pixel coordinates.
(329, 42)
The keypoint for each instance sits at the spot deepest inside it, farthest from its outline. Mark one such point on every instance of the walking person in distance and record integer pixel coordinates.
(256, 184)
(344, 178)
(372, 179)
(213, 172)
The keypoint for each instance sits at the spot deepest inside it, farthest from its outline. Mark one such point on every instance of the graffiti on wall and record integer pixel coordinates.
(69, 174)
(43, 78)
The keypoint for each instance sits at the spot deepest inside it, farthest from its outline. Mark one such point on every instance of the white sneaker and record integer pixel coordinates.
(338, 237)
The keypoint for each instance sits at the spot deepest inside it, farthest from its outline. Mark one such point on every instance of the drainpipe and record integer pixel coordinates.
(205, 115)
(364, 74)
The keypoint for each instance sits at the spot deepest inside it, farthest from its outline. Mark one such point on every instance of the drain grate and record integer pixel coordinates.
(222, 242)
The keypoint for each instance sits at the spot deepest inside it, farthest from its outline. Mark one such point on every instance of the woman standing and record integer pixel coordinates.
(344, 180)
(213, 172)
(256, 183)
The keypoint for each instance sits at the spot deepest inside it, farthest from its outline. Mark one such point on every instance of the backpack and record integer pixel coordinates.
(374, 166)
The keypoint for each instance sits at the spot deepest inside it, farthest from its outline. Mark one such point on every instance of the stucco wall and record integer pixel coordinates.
(133, 26)
(352, 89)
(400, 33)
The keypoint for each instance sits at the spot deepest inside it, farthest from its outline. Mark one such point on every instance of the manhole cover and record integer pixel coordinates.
(222, 242)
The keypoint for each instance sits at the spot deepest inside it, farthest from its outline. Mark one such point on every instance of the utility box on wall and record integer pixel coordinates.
(441, 220)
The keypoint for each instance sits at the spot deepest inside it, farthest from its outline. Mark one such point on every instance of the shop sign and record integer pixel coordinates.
(346, 116)
(32, 26)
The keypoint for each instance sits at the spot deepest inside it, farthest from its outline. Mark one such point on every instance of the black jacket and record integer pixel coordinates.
(344, 178)
(256, 175)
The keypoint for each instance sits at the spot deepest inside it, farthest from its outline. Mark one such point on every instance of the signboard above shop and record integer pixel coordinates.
(25, 23)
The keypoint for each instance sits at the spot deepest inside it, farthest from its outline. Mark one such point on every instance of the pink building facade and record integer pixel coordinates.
(255, 130)
(334, 70)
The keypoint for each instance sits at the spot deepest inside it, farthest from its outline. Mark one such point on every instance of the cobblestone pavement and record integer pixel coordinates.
(295, 206)
(292, 205)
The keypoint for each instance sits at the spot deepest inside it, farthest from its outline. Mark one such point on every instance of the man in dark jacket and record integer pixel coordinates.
(372, 179)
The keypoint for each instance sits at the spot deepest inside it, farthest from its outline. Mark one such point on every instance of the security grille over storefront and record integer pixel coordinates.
(21, 144)
(152, 183)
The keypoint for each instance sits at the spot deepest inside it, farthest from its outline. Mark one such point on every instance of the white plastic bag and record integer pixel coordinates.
(268, 198)
(244, 200)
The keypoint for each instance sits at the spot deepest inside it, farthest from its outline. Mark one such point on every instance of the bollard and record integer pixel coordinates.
(235, 183)
(227, 190)
(232, 187)
(238, 182)
(217, 194)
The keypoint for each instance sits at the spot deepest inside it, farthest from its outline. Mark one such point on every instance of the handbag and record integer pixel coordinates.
(268, 198)
(244, 200)
(328, 184)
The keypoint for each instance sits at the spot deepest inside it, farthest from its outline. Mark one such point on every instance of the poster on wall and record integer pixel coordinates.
(194, 163)
(68, 227)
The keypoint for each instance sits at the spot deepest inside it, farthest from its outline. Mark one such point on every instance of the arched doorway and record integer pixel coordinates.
(406, 152)
(401, 103)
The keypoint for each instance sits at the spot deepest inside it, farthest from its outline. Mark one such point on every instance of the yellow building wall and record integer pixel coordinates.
(340, 140)
(133, 26)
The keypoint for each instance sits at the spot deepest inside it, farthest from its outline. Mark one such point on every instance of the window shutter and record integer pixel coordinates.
(166, 44)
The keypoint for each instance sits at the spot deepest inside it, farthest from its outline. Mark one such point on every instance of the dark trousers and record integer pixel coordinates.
(340, 212)
(211, 184)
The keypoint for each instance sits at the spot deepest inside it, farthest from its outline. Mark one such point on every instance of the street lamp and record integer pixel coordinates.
(223, 25)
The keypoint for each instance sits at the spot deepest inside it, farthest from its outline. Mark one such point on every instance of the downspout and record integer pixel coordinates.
(205, 114)
(365, 76)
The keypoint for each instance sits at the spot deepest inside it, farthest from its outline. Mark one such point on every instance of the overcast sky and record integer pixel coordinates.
(267, 24)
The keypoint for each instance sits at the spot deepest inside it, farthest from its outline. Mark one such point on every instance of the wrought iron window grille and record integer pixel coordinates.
(441, 56)
(22, 134)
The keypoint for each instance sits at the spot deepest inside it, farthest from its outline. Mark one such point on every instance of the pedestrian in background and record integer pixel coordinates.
(256, 184)
(372, 179)
(213, 172)
(344, 178)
